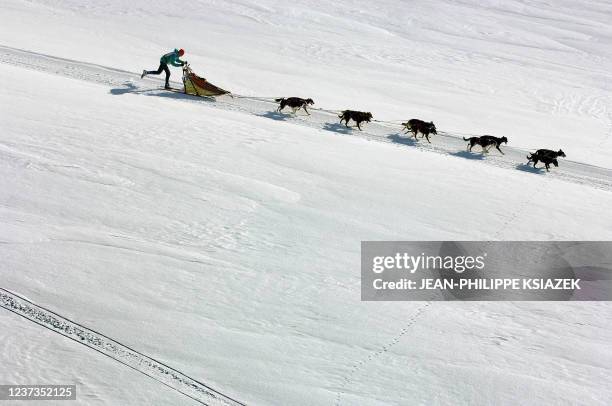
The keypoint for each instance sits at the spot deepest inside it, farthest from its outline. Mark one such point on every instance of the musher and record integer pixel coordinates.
(171, 58)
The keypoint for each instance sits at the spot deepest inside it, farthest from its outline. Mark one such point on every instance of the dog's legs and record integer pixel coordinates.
(469, 147)
(358, 125)
(497, 146)
(304, 106)
(427, 136)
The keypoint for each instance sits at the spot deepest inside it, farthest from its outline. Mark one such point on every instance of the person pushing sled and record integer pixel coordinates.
(194, 84)
(171, 58)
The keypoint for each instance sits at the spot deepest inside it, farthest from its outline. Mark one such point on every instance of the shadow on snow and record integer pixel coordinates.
(468, 155)
(529, 168)
(133, 89)
(274, 115)
(399, 139)
(337, 128)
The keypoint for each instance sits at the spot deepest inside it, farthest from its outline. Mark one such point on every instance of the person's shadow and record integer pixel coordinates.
(129, 88)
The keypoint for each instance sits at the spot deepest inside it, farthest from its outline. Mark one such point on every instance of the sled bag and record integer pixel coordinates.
(198, 86)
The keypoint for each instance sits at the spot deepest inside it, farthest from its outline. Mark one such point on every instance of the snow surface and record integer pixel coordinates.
(226, 243)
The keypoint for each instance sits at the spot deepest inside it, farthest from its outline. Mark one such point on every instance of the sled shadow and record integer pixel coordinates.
(133, 89)
(397, 138)
(180, 96)
(274, 115)
(468, 155)
(530, 169)
(337, 128)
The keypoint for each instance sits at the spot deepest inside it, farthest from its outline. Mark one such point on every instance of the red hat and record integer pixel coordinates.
(181, 52)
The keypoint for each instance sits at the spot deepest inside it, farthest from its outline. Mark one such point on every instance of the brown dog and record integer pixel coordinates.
(356, 116)
(419, 126)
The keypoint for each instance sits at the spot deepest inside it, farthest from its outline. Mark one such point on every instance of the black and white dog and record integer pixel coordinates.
(547, 152)
(295, 103)
(419, 126)
(546, 156)
(486, 142)
(356, 116)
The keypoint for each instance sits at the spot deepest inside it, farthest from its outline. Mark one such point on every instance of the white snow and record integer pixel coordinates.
(226, 243)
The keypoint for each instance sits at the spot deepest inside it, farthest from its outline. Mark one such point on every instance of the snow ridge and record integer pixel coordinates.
(151, 367)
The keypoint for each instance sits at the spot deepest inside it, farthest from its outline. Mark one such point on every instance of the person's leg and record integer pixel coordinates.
(165, 67)
(158, 71)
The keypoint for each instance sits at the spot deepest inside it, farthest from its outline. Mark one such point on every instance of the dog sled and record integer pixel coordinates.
(198, 86)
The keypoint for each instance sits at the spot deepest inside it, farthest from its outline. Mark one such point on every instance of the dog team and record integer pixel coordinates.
(416, 126)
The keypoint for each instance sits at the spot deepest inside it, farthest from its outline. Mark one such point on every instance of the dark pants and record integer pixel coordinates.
(163, 67)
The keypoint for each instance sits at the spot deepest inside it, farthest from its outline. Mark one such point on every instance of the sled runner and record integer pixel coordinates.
(198, 86)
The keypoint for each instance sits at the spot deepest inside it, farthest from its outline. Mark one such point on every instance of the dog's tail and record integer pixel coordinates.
(279, 100)
(530, 157)
(341, 115)
(465, 139)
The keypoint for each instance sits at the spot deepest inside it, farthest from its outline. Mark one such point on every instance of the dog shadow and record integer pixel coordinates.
(402, 139)
(529, 168)
(337, 128)
(274, 115)
(468, 155)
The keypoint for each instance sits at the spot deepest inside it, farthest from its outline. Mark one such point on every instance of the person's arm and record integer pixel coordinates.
(176, 61)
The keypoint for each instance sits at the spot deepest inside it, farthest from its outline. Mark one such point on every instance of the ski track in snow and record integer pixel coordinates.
(382, 350)
(157, 370)
(445, 143)
(359, 365)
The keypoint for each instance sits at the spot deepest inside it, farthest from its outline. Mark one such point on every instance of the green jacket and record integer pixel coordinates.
(172, 58)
